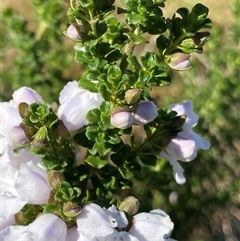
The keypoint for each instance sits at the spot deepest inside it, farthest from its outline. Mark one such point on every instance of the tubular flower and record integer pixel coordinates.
(184, 146)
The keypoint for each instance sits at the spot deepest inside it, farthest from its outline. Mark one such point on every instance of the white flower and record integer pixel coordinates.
(47, 227)
(11, 133)
(22, 181)
(74, 105)
(184, 146)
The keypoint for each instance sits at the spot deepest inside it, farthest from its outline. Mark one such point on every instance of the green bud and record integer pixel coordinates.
(132, 95)
(55, 178)
(24, 111)
(71, 209)
(40, 138)
(129, 205)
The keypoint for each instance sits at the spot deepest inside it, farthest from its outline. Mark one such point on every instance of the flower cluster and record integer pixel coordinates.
(95, 223)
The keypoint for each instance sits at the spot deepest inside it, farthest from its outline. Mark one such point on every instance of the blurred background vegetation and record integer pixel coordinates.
(35, 53)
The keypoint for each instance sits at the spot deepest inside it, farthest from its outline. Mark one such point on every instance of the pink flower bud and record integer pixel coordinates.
(179, 61)
(121, 118)
(144, 112)
(17, 136)
(73, 32)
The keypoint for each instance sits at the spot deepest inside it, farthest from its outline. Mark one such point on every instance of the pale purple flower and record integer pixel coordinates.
(144, 112)
(11, 134)
(21, 183)
(184, 146)
(96, 223)
(47, 227)
(153, 226)
(74, 105)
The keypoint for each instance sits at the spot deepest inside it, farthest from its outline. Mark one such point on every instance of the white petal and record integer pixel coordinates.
(10, 117)
(31, 184)
(181, 148)
(10, 206)
(13, 233)
(153, 226)
(119, 216)
(69, 90)
(7, 178)
(200, 143)
(47, 227)
(95, 222)
(73, 111)
(4, 223)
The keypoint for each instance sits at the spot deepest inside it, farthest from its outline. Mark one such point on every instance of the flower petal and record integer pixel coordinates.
(181, 148)
(48, 227)
(154, 226)
(119, 216)
(187, 109)
(15, 233)
(93, 217)
(27, 95)
(31, 184)
(74, 108)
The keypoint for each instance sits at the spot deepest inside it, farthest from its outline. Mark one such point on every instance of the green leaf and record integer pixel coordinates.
(93, 116)
(92, 132)
(88, 81)
(125, 173)
(132, 59)
(96, 161)
(135, 19)
(114, 74)
(136, 39)
(200, 10)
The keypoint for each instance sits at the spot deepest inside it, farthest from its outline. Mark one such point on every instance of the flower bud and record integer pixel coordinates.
(144, 112)
(17, 136)
(132, 95)
(55, 178)
(71, 209)
(179, 61)
(129, 205)
(121, 118)
(73, 32)
(40, 138)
